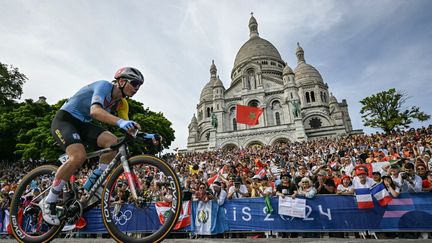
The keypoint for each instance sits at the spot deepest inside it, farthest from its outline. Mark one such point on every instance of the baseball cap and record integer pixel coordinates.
(361, 170)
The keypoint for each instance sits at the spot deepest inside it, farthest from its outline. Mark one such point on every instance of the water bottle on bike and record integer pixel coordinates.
(92, 178)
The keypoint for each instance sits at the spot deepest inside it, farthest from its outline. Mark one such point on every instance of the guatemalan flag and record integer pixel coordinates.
(208, 218)
(364, 198)
(379, 191)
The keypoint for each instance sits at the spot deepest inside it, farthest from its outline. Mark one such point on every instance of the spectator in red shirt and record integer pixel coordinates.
(427, 183)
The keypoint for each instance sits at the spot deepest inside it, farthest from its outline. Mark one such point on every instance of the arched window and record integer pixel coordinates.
(307, 97)
(277, 116)
(312, 96)
(234, 123)
(325, 97)
(253, 103)
(276, 104)
(232, 119)
(208, 111)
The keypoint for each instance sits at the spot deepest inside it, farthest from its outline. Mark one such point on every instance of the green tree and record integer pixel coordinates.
(385, 110)
(16, 124)
(151, 122)
(11, 82)
(37, 142)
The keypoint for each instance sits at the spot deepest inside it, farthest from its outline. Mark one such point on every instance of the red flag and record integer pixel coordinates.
(248, 115)
(212, 179)
(163, 209)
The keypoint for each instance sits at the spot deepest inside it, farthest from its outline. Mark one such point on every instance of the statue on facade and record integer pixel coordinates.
(214, 121)
(296, 105)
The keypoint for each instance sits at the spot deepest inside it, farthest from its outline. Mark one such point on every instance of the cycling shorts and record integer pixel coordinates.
(68, 130)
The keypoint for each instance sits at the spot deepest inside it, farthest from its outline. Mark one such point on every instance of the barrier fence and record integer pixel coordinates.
(324, 213)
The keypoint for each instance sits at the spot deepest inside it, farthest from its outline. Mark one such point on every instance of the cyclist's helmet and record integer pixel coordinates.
(130, 74)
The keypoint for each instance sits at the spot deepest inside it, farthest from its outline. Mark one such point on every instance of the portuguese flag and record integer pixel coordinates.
(248, 115)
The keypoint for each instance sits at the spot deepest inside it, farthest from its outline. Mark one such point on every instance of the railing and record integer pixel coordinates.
(324, 213)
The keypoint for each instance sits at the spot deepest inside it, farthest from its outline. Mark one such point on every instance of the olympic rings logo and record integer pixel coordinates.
(122, 217)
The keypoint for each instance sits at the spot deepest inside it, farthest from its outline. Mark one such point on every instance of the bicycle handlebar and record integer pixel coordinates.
(155, 139)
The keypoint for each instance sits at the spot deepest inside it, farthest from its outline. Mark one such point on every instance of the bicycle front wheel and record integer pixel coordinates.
(154, 213)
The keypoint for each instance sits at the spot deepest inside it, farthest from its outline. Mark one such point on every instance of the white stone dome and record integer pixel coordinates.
(256, 47)
(218, 83)
(305, 71)
(207, 91)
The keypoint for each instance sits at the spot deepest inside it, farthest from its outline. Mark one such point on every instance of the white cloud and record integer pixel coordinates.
(360, 47)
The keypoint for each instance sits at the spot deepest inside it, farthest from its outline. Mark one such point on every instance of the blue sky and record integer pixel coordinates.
(359, 47)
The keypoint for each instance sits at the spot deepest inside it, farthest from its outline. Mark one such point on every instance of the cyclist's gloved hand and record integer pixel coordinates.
(149, 136)
(126, 125)
(156, 138)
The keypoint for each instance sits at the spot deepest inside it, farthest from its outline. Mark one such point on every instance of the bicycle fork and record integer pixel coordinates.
(131, 177)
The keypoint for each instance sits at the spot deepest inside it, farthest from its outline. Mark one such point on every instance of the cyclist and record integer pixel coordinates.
(72, 128)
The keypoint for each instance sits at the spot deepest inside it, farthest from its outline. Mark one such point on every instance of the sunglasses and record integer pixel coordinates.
(135, 83)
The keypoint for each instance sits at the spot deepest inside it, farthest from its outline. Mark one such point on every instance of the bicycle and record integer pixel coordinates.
(134, 174)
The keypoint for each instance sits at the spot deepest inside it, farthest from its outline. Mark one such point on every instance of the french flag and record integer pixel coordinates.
(364, 198)
(379, 191)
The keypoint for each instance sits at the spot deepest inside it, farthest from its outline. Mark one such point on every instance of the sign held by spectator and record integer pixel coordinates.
(292, 207)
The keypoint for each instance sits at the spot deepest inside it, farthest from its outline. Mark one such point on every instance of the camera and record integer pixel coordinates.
(405, 176)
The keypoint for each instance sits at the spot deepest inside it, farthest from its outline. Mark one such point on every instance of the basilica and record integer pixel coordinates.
(297, 105)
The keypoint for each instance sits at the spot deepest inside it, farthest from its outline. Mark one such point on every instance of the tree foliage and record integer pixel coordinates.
(25, 131)
(386, 110)
(11, 82)
(150, 122)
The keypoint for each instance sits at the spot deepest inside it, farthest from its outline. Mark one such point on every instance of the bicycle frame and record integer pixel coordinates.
(120, 157)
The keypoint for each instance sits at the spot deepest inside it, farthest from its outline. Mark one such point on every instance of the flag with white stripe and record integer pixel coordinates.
(364, 198)
(379, 191)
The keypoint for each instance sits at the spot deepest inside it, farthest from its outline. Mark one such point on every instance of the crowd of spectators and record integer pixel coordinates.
(321, 166)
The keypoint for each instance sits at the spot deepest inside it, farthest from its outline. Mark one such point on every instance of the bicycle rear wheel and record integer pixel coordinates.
(129, 220)
(27, 224)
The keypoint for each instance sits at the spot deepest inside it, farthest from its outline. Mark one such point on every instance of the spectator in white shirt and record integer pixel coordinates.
(362, 180)
(305, 189)
(238, 190)
(410, 181)
(347, 166)
(218, 193)
(345, 188)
